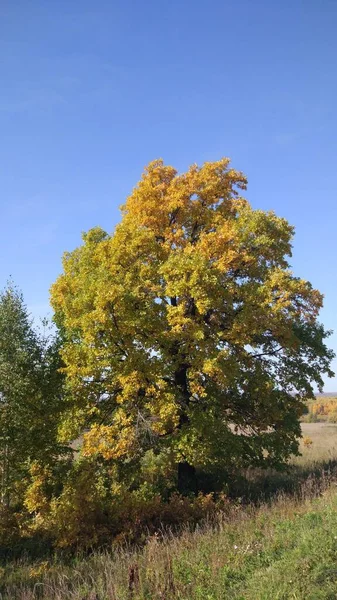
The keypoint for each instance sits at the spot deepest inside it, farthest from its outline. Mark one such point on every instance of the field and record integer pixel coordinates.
(281, 548)
(323, 447)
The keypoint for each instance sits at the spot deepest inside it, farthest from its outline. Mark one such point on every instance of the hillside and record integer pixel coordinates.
(287, 550)
(284, 548)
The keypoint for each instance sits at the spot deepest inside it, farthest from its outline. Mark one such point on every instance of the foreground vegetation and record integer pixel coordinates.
(284, 547)
(286, 551)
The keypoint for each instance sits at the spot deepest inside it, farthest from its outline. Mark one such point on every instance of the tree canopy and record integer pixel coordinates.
(31, 394)
(185, 331)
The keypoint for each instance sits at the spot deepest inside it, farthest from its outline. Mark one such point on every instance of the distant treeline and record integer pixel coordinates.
(324, 408)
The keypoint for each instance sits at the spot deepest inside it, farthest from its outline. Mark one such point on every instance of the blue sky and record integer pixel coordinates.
(92, 91)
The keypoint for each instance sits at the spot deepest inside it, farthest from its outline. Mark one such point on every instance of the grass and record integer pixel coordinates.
(324, 444)
(284, 548)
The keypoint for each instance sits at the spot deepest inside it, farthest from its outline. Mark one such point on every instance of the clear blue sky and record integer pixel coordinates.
(92, 91)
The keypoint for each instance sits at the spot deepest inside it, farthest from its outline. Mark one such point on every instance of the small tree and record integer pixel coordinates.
(186, 331)
(30, 393)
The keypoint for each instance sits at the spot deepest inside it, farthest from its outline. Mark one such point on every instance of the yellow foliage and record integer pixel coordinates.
(36, 500)
(324, 408)
(39, 570)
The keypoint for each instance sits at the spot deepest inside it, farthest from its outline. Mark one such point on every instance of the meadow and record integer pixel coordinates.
(278, 541)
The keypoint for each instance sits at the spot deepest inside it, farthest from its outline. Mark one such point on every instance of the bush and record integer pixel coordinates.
(95, 509)
(76, 523)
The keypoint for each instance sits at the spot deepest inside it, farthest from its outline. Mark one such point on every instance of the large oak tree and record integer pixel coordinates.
(186, 331)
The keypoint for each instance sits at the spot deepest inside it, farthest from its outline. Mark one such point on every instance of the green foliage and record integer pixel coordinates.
(31, 396)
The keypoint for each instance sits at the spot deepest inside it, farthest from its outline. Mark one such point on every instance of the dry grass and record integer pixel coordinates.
(324, 444)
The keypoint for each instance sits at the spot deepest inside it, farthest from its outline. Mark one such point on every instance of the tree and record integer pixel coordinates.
(31, 394)
(186, 331)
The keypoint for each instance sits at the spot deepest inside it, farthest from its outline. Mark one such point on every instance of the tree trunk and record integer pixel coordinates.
(187, 479)
(5, 478)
